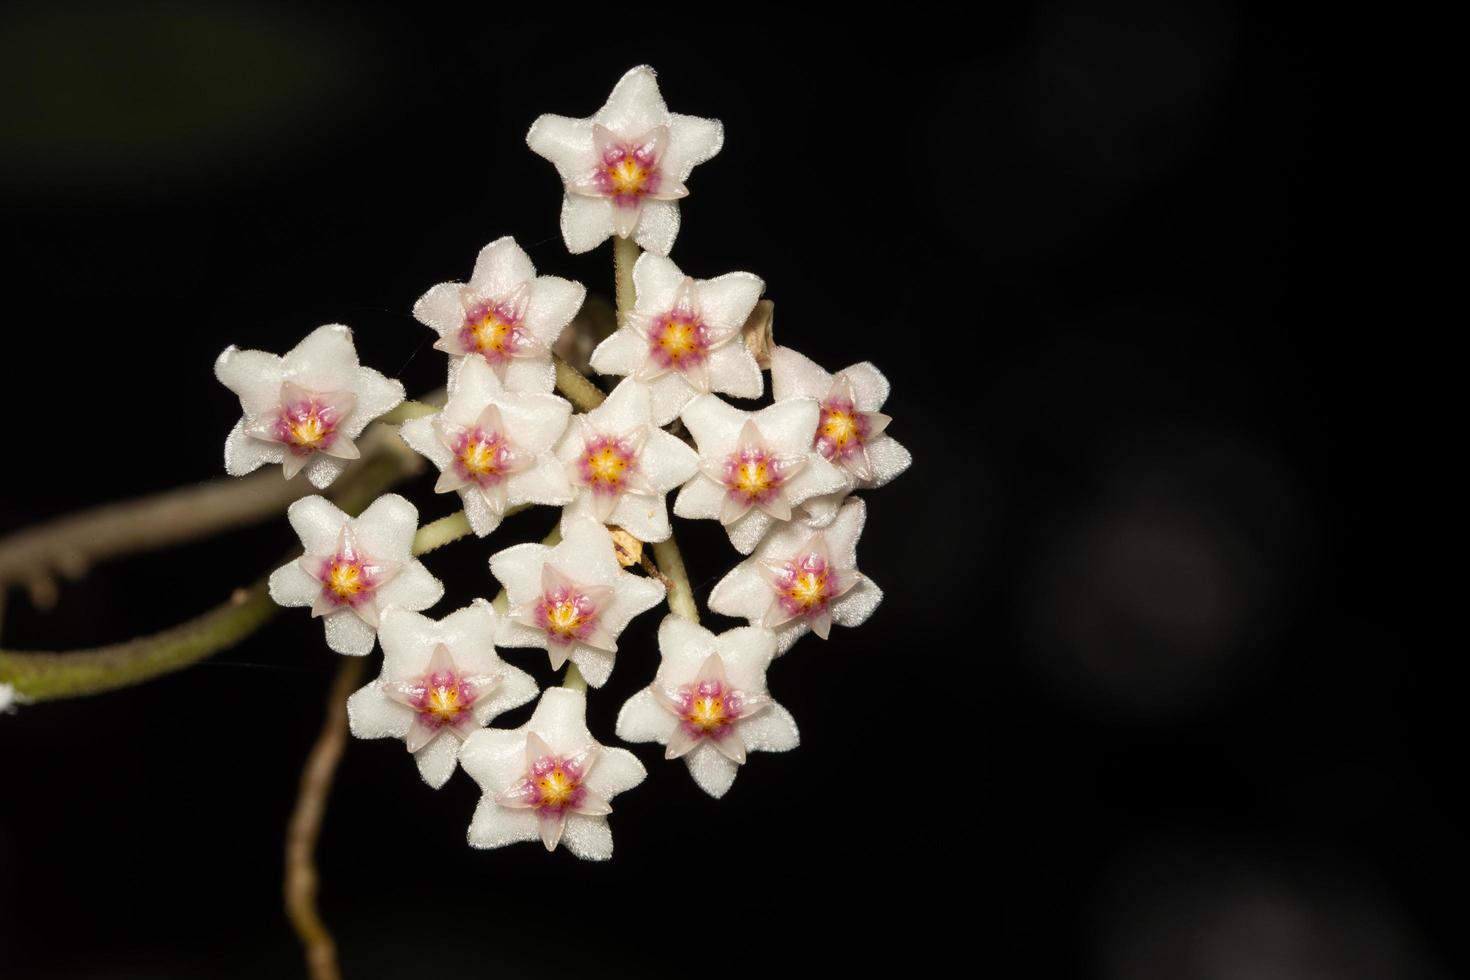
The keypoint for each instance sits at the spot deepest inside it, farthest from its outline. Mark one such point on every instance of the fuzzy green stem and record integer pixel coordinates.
(671, 563)
(625, 254)
(577, 387)
(441, 532)
(410, 409)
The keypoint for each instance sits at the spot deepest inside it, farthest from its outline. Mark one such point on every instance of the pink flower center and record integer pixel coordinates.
(708, 708)
(627, 174)
(752, 474)
(443, 699)
(553, 786)
(679, 340)
(347, 580)
(843, 430)
(566, 615)
(805, 585)
(494, 332)
(481, 457)
(605, 464)
(307, 425)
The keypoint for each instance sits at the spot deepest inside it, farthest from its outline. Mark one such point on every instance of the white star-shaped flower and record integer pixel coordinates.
(621, 465)
(505, 314)
(440, 682)
(571, 600)
(851, 432)
(682, 337)
(492, 446)
(305, 409)
(802, 579)
(754, 467)
(624, 167)
(548, 779)
(708, 703)
(354, 568)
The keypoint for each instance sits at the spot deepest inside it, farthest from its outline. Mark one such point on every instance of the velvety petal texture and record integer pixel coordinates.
(505, 315)
(624, 167)
(492, 446)
(572, 599)
(354, 569)
(304, 409)
(440, 682)
(621, 465)
(754, 466)
(578, 778)
(683, 337)
(708, 703)
(800, 579)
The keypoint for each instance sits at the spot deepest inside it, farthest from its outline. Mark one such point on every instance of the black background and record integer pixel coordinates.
(1137, 703)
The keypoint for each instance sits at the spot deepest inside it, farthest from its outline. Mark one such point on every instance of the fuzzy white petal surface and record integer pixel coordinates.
(495, 826)
(589, 838)
(544, 483)
(712, 772)
(747, 532)
(253, 375)
(727, 301)
(643, 719)
(888, 459)
(621, 352)
(348, 634)
(534, 422)
(772, 730)
(246, 454)
(692, 141)
(420, 436)
(869, 387)
(700, 499)
(325, 360)
(323, 470)
(733, 370)
(854, 608)
(436, 760)
(500, 267)
(566, 142)
(794, 375)
(441, 308)
(635, 105)
(317, 522)
(715, 424)
(387, 528)
(534, 375)
(586, 222)
(290, 586)
(554, 302)
(372, 714)
(656, 282)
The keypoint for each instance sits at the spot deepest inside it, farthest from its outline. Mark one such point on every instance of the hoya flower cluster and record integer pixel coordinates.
(778, 479)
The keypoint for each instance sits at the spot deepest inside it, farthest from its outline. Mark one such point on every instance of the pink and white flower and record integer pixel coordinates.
(708, 704)
(802, 579)
(571, 600)
(548, 780)
(851, 432)
(624, 167)
(754, 466)
(621, 465)
(440, 683)
(682, 337)
(506, 315)
(354, 568)
(305, 409)
(493, 447)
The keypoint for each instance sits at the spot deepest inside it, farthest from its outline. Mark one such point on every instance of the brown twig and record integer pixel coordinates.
(302, 832)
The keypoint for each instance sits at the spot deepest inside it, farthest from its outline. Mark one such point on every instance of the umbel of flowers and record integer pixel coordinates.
(780, 481)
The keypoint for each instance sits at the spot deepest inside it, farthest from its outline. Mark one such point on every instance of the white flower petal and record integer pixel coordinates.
(322, 470)
(500, 267)
(408, 640)
(692, 141)
(658, 226)
(635, 105)
(747, 651)
(743, 593)
(372, 714)
(386, 529)
(888, 459)
(376, 395)
(656, 282)
(821, 510)
(483, 520)
(324, 361)
(771, 730)
(544, 483)
(734, 371)
(518, 570)
(441, 308)
(621, 352)
(514, 688)
(712, 772)
(869, 386)
(633, 595)
(854, 608)
(842, 536)
(420, 436)
(254, 375)
(715, 424)
(615, 771)
(495, 825)
(684, 646)
(534, 375)
(595, 665)
(700, 499)
(290, 586)
(643, 719)
(586, 554)
(669, 394)
(495, 758)
(554, 302)
(817, 477)
(667, 460)
(646, 518)
(472, 385)
(727, 301)
(348, 634)
(560, 719)
(625, 409)
(534, 423)
(589, 838)
(586, 222)
(747, 532)
(317, 522)
(794, 375)
(566, 142)
(414, 588)
(436, 760)
(245, 454)
(789, 426)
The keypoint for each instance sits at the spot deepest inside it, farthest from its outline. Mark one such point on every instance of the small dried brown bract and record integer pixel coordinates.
(759, 332)
(628, 548)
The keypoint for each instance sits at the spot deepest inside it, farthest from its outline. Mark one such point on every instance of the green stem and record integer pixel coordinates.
(671, 563)
(441, 532)
(578, 388)
(410, 409)
(625, 254)
(44, 676)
